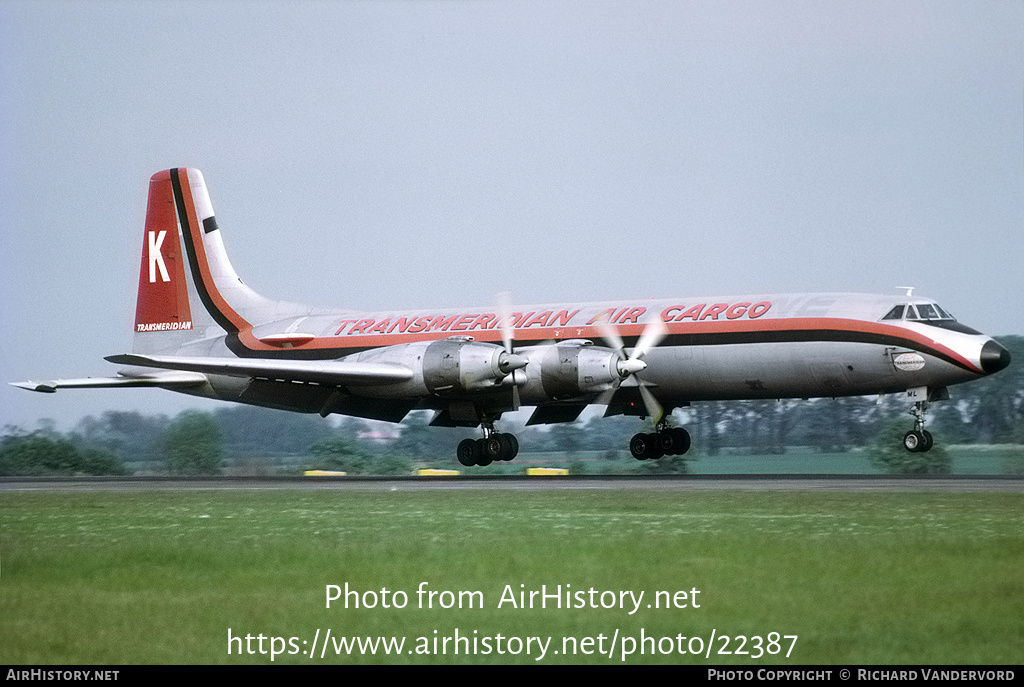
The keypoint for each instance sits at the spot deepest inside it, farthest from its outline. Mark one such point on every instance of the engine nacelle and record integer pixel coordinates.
(447, 367)
(461, 364)
(570, 369)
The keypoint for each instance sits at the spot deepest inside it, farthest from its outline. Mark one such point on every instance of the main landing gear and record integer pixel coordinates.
(918, 440)
(666, 441)
(495, 446)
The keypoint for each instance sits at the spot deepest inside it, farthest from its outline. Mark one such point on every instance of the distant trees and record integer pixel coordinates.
(39, 454)
(419, 441)
(192, 444)
(340, 453)
(253, 431)
(567, 438)
(391, 464)
(130, 435)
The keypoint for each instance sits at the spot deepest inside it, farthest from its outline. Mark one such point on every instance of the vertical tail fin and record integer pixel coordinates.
(163, 311)
(188, 289)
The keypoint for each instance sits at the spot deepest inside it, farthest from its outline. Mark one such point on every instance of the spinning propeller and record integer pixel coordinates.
(633, 363)
(509, 361)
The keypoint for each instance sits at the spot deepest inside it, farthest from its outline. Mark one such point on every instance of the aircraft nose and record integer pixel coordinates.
(994, 357)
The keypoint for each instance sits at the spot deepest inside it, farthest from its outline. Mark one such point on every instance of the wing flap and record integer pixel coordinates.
(551, 413)
(322, 372)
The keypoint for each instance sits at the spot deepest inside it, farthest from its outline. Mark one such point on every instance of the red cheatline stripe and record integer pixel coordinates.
(723, 333)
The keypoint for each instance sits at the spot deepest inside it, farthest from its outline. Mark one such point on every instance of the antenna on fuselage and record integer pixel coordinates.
(910, 290)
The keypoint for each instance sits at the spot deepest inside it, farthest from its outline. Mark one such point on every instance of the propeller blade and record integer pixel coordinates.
(652, 335)
(507, 332)
(605, 399)
(611, 337)
(655, 411)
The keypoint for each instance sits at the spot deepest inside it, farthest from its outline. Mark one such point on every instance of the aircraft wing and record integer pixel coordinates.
(157, 379)
(320, 371)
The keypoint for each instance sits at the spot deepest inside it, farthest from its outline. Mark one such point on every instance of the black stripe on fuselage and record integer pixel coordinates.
(684, 340)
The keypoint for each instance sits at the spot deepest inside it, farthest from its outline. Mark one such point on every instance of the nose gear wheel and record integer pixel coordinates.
(918, 440)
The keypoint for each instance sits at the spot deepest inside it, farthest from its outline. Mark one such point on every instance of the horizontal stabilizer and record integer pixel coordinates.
(317, 371)
(157, 379)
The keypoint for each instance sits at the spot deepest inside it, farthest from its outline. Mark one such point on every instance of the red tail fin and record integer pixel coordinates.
(163, 303)
(188, 290)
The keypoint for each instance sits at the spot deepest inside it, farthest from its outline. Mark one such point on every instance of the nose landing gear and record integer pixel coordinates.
(918, 440)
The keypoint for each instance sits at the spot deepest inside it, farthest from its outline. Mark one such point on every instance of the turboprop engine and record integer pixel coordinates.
(445, 367)
(574, 368)
(461, 364)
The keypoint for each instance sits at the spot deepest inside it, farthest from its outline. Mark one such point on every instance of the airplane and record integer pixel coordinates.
(200, 330)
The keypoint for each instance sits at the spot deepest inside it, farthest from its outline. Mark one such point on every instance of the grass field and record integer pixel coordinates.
(124, 578)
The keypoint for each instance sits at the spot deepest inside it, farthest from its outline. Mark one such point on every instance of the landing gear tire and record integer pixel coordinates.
(918, 441)
(665, 442)
(509, 446)
(467, 452)
(639, 446)
(492, 448)
(914, 441)
(500, 447)
(483, 455)
(654, 451)
(928, 441)
(672, 441)
(675, 441)
(646, 446)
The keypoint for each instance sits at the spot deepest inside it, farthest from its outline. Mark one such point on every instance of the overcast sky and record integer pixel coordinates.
(384, 155)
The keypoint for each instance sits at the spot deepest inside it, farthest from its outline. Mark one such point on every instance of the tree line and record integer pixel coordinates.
(251, 440)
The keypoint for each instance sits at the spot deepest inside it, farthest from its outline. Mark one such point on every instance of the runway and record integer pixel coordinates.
(683, 483)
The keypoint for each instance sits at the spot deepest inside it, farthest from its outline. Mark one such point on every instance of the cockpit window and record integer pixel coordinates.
(895, 314)
(919, 312)
(927, 313)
